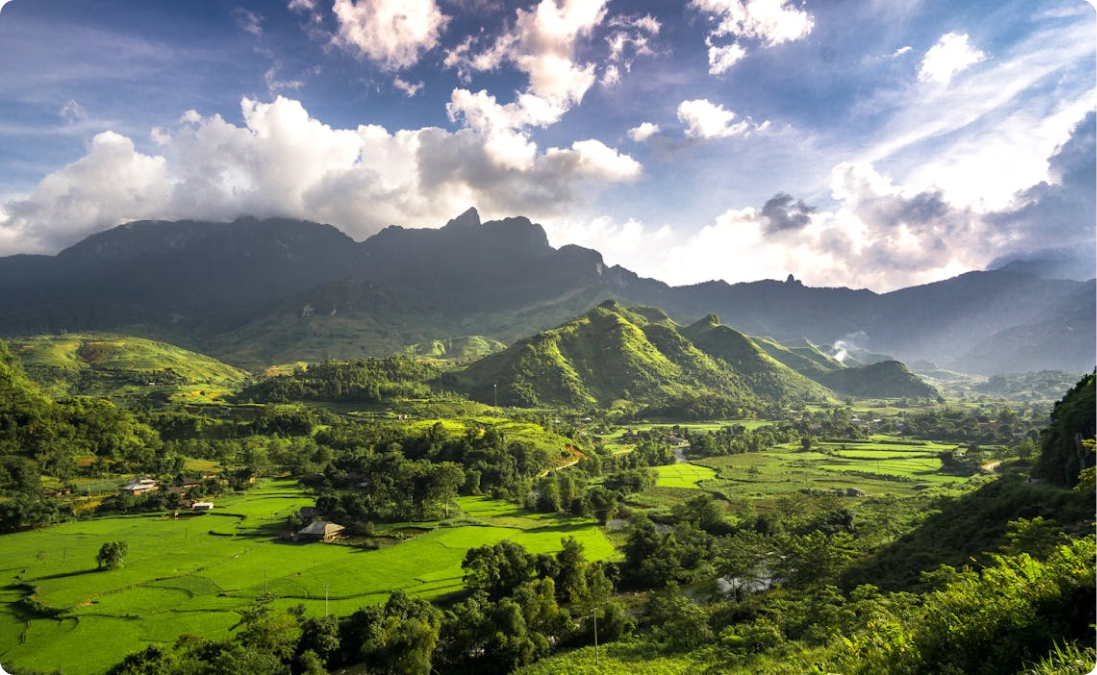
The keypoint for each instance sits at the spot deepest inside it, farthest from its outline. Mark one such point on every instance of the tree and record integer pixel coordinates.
(112, 555)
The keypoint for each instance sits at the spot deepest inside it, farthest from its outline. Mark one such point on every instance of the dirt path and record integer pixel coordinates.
(576, 455)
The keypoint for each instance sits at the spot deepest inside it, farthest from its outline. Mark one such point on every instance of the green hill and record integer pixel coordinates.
(458, 350)
(887, 379)
(639, 354)
(800, 355)
(116, 365)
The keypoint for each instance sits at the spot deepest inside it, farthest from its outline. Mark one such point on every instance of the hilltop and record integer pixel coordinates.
(612, 353)
(95, 364)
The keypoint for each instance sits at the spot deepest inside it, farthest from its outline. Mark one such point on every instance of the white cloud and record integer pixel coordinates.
(643, 132)
(249, 22)
(284, 162)
(721, 59)
(984, 141)
(542, 44)
(392, 33)
(108, 185)
(949, 56)
(631, 37)
(595, 158)
(707, 120)
(410, 89)
(275, 85)
(73, 112)
(769, 22)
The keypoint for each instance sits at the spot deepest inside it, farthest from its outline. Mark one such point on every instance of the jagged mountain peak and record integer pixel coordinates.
(469, 220)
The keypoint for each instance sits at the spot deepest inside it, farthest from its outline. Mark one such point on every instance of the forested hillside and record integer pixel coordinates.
(615, 354)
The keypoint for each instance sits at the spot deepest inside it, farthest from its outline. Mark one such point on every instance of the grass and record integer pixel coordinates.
(116, 366)
(683, 475)
(874, 468)
(196, 573)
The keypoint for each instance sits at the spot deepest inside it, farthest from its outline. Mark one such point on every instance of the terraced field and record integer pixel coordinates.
(196, 573)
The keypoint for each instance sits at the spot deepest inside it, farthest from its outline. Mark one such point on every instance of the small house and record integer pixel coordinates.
(201, 506)
(139, 487)
(321, 530)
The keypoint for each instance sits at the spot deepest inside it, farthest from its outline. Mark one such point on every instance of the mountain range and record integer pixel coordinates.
(256, 292)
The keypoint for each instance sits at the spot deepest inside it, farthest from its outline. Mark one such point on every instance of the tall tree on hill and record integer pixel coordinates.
(1074, 420)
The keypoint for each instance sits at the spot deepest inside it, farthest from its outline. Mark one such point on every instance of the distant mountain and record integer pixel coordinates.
(887, 379)
(256, 292)
(177, 278)
(611, 353)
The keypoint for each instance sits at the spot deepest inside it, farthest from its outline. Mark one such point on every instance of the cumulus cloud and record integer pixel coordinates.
(706, 120)
(542, 44)
(721, 59)
(594, 158)
(783, 212)
(768, 22)
(410, 89)
(112, 183)
(643, 132)
(284, 162)
(1061, 211)
(392, 33)
(950, 55)
(879, 234)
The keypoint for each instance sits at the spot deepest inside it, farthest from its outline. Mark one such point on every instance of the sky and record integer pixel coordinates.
(864, 143)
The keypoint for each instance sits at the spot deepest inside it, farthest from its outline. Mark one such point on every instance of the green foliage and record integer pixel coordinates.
(612, 354)
(370, 380)
(887, 379)
(1073, 419)
(989, 622)
(112, 555)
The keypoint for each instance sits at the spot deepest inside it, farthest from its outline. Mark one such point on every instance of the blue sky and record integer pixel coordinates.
(868, 143)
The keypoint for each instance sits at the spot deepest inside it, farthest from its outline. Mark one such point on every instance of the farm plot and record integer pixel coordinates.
(195, 574)
(872, 469)
(683, 475)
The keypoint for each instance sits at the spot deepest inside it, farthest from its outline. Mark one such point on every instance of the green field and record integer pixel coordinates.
(873, 468)
(118, 366)
(194, 574)
(683, 475)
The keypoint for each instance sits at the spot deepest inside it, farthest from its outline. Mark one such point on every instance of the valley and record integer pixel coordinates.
(656, 460)
(415, 468)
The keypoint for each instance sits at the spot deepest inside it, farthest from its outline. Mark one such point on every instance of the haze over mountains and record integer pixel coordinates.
(255, 292)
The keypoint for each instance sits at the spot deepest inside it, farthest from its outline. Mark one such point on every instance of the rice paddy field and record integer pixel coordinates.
(683, 475)
(194, 574)
(875, 467)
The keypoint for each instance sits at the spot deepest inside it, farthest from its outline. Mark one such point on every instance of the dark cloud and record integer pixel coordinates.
(783, 213)
(1058, 216)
